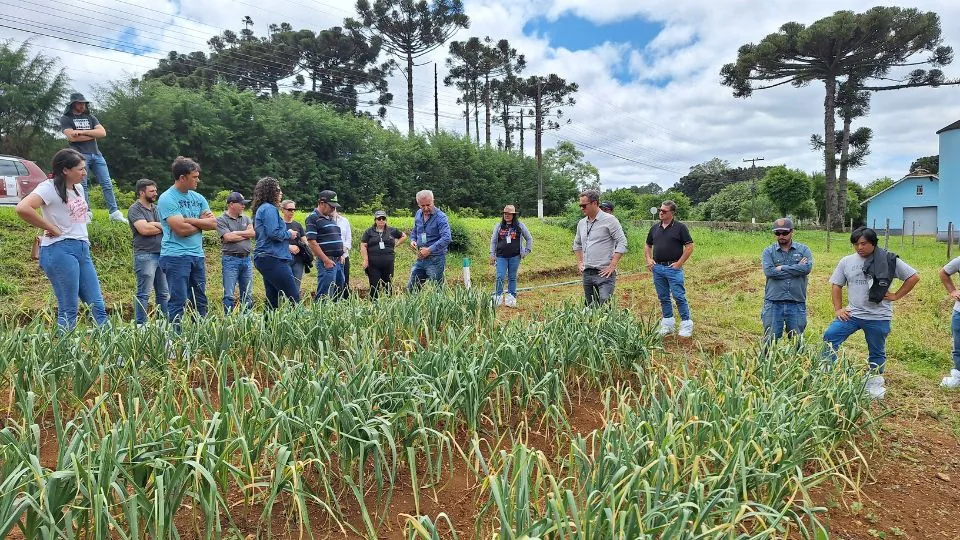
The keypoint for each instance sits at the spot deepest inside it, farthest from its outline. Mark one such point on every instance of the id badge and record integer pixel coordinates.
(381, 245)
(423, 238)
(508, 239)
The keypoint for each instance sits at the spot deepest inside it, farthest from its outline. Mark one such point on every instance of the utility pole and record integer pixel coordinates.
(539, 138)
(436, 102)
(753, 186)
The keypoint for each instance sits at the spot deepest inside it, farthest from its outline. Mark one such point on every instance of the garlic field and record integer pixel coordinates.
(420, 416)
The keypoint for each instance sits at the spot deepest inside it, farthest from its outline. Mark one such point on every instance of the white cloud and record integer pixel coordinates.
(673, 115)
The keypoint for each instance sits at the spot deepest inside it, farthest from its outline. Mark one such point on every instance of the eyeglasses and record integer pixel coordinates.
(664, 210)
(781, 233)
(380, 219)
(585, 205)
(289, 209)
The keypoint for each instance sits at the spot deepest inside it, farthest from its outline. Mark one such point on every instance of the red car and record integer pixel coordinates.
(18, 177)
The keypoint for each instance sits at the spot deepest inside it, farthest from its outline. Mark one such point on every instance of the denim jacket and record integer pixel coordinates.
(272, 233)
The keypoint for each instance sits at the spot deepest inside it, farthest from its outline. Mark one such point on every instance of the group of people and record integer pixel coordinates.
(167, 235)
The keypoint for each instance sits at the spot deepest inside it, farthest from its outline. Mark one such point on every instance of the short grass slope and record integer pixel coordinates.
(420, 416)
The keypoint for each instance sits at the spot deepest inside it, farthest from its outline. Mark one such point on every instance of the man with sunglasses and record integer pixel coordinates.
(598, 244)
(668, 247)
(787, 265)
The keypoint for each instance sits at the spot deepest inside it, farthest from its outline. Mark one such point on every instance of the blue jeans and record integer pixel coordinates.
(297, 267)
(777, 315)
(237, 271)
(430, 269)
(187, 280)
(507, 268)
(669, 281)
(875, 332)
(97, 166)
(277, 278)
(146, 266)
(70, 269)
(330, 282)
(955, 330)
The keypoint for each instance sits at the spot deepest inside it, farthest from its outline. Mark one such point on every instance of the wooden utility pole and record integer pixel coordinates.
(753, 186)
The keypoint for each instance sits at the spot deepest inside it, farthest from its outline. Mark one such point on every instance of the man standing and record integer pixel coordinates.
(302, 261)
(147, 235)
(598, 244)
(82, 130)
(236, 230)
(607, 207)
(787, 265)
(326, 243)
(952, 267)
(429, 240)
(346, 235)
(868, 275)
(184, 215)
(668, 247)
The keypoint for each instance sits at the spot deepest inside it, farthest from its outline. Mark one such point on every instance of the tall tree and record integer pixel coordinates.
(566, 160)
(463, 66)
(410, 30)
(863, 46)
(497, 60)
(788, 189)
(547, 95)
(931, 164)
(31, 90)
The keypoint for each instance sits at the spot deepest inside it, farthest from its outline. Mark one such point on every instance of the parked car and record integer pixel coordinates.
(18, 177)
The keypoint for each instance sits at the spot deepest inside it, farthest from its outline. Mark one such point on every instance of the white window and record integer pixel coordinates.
(919, 190)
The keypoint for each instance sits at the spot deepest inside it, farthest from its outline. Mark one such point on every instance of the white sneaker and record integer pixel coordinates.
(510, 300)
(952, 381)
(498, 299)
(667, 324)
(117, 215)
(686, 328)
(875, 386)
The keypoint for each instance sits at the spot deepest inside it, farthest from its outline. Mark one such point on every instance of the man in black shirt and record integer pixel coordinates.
(668, 247)
(82, 130)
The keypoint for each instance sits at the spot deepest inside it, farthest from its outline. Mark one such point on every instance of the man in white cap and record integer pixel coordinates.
(82, 130)
(787, 265)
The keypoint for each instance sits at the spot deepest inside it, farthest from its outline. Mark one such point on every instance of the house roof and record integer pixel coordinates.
(897, 183)
(955, 125)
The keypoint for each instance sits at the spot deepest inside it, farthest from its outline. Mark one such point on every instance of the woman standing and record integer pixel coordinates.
(65, 246)
(377, 247)
(299, 251)
(506, 252)
(271, 256)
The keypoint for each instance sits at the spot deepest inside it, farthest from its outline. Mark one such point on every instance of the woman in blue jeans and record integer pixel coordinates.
(65, 246)
(271, 256)
(506, 252)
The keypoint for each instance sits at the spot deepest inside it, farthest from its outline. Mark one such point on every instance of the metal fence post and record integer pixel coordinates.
(949, 240)
(886, 235)
(828, 233)
(913, 235)
(903, 232)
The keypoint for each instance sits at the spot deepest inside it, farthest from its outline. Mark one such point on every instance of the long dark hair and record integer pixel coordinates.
(67, 158)
(266, 191)
(515, 223)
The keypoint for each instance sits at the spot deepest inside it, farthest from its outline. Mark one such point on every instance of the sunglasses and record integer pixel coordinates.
(781, 233)
(380, 219)
(585, 205)
(289, 209)
(664, 210)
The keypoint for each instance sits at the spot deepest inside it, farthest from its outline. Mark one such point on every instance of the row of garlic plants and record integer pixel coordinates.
(322, 413)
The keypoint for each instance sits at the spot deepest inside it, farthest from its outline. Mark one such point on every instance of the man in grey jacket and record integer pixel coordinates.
(599, 243)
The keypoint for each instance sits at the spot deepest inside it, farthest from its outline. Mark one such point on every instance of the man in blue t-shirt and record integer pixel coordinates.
(429, 240)
(184, 215)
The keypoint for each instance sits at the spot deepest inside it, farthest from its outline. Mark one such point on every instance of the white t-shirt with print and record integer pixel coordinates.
(950, 269)
(69, 217)
(849, 272)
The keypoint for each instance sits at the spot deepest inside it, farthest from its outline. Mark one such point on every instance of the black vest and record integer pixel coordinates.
(512, 249)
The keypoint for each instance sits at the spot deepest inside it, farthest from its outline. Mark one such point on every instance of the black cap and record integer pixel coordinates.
(606, 205)
(783, 224)
(329, 197)
(236, 197)
(75, 98)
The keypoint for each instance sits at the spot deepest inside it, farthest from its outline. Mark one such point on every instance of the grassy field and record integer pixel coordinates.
(532, 401)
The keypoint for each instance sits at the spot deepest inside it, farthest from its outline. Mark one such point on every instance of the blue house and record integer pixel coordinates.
(923, 202)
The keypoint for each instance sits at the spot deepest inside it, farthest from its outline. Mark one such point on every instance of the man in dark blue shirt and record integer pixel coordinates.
(787, 265)
(324, 240)
(429, 239)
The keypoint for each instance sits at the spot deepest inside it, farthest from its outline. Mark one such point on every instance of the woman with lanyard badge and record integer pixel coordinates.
(506, 252)
(377, 247)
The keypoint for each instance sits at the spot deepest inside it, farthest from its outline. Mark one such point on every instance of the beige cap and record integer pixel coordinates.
(509, 209)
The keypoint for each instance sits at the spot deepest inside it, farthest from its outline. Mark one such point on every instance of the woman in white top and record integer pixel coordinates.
(64, 246)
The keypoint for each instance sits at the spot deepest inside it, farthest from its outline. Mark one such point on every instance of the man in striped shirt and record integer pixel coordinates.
(324, 239)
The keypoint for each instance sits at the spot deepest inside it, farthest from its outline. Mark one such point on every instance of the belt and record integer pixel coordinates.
(235, 256)
(785, 301)
(665, 263)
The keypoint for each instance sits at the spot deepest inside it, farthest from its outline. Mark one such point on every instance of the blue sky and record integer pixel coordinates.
(576, 33)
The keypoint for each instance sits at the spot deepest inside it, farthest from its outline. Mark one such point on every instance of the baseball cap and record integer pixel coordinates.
(606, 205)
(329, 197)
(783, 224)
(379, 213)
(236, 197)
